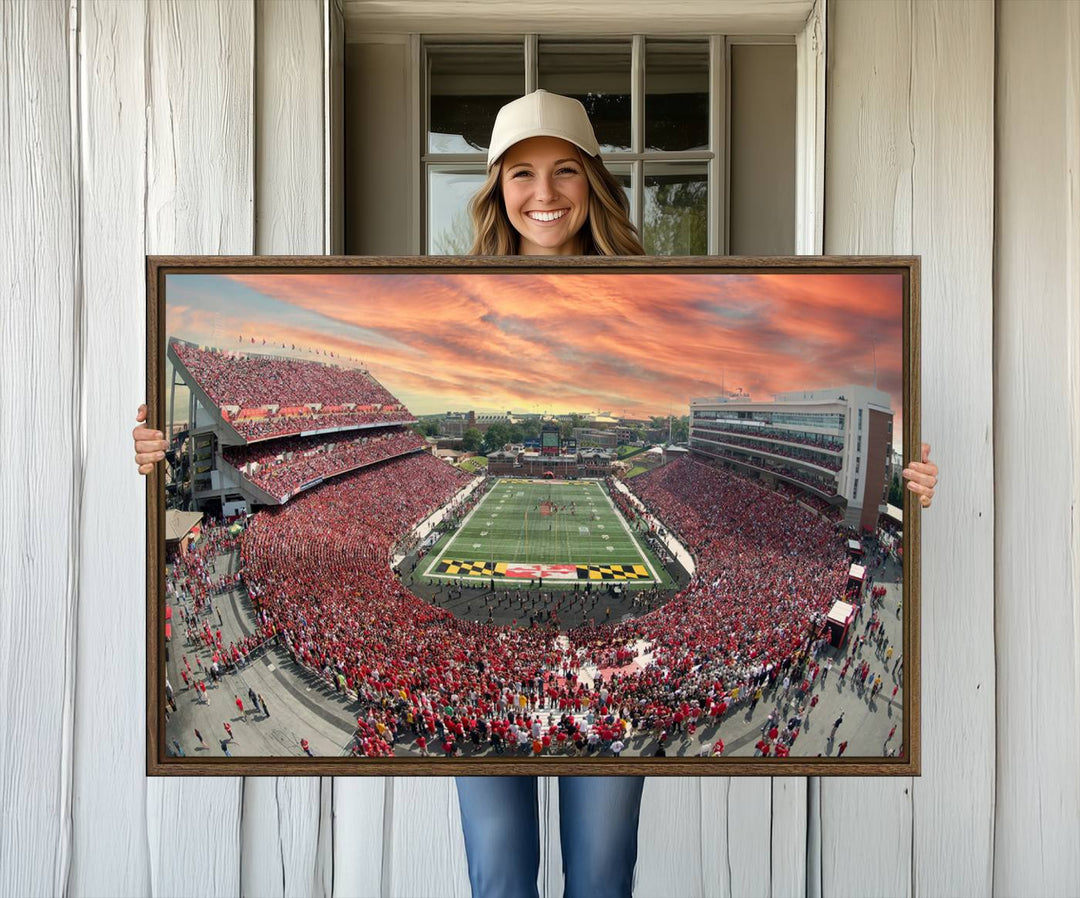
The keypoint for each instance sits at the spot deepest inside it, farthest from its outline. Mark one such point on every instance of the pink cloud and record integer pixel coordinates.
(644, 342)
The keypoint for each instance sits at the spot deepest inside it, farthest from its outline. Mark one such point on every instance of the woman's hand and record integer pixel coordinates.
(922, 477)
(150, 445)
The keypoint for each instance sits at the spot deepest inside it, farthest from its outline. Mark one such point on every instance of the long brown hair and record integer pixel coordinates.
(607, 231)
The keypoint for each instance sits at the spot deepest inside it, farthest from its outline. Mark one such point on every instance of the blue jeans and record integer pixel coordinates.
(598, 823)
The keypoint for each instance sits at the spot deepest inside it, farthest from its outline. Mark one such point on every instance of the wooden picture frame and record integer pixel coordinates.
(378, 336)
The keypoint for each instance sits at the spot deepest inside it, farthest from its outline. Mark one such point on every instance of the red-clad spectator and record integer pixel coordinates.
(277, 397)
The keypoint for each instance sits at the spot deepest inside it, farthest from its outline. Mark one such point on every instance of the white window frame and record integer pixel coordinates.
(809, 127)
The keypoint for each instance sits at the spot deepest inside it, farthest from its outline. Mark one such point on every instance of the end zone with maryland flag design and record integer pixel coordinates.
(488, 569)
(557, 531)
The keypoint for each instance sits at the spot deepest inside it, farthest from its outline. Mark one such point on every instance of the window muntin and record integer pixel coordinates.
(668, 175)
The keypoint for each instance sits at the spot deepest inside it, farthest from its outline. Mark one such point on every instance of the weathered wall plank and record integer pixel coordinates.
(909, 169)
(42, 432)
(199, 200)
(1037, 444)
(423, 846)
(281, 815)
(953, 230)
(868, 160)
(110, 854)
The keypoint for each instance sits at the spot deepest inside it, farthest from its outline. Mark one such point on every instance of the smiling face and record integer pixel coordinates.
(546, 195)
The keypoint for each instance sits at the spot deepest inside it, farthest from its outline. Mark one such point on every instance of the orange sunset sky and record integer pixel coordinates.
(639, 344)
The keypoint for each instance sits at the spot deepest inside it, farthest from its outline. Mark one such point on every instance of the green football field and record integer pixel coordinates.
(562, 531)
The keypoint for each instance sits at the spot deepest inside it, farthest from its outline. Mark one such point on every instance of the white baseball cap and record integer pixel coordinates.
(541, 114)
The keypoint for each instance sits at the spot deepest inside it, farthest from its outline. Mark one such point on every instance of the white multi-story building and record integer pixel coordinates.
(833, 443)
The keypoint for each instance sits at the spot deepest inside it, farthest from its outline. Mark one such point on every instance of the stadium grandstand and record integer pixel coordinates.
(833, 445)
(767, 572)
(333, 511)
(263, 428)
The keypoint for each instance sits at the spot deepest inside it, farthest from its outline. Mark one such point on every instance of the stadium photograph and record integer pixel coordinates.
(453, 515)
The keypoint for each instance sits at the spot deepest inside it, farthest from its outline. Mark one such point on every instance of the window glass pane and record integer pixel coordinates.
(676, 95)
(467, 84)
(449, 191)
(676, 209)
(597, 74)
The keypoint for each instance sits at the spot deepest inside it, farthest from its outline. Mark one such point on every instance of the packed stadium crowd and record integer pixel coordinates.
(766, 569)
(830, 462)
(826, 486)
(319, 576)
(191, 577)
(192, 583)
(813, 440)
(276, 395)
(284, 466)
(833, 512)
(278, 426)
(318, 572)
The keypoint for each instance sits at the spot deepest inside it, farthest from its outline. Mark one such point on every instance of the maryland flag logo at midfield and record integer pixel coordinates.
(612, 572)
(472, 568)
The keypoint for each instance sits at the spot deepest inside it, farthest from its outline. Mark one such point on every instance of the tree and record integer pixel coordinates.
(676, 217)
(680, 429)
(896, 492)
(566, 428)
(472, 439)
(497, 436)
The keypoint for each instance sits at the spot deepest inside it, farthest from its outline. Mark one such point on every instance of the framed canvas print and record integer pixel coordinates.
(543, 516)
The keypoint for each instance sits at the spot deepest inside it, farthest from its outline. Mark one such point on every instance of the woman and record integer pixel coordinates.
(548, 193)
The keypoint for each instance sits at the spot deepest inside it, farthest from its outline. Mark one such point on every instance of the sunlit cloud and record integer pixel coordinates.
(639, 344)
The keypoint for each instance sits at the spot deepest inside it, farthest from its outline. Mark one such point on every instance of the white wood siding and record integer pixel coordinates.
(110, 824)
(42, 431)
(909, 151)
(134, 127)
(199, 196)
(1037, 450)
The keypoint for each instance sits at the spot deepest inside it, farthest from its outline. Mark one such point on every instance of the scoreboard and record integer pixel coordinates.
(549, 441)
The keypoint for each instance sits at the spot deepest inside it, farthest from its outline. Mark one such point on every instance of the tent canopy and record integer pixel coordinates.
(840, 613)
(178, 524)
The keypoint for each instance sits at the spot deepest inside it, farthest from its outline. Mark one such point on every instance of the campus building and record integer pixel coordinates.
(562, 466)
(592, 436)
(834, 443)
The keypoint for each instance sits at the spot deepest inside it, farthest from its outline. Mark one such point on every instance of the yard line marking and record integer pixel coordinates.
(431, 567)
(637, 545)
